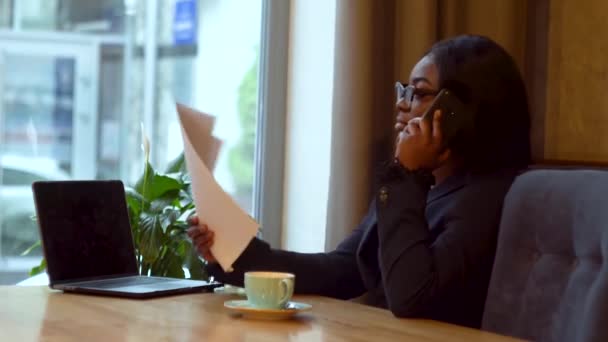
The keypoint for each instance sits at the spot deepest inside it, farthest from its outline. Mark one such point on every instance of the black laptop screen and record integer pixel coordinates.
(85, 229)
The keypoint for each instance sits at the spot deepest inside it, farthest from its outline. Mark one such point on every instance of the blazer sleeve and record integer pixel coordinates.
(334, 274)
(418, 271)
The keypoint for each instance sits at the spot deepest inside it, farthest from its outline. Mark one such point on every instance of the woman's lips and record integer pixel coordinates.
(401, 122)
(399, 126)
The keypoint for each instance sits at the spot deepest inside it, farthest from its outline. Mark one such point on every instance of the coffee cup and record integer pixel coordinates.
(269, 290)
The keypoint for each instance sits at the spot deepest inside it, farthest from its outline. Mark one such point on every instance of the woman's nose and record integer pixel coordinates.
(402, 109)
(402, 106)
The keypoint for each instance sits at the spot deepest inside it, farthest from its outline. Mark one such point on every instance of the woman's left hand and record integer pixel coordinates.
(419, 144)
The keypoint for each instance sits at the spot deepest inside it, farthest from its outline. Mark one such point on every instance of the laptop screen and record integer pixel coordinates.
(85, 231)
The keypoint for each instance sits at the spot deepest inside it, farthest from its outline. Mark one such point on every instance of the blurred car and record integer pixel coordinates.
(18, 229)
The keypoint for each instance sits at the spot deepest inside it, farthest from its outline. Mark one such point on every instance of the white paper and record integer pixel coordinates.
(233, 227)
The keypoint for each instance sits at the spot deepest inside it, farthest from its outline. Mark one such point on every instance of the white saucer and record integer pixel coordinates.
(228, 289)
(244, 308)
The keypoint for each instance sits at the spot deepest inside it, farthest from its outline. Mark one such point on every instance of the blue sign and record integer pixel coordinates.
(184, 22)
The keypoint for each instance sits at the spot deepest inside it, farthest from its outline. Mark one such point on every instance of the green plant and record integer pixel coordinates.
(158, 206)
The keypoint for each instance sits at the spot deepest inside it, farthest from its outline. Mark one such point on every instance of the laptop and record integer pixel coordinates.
(88, 246)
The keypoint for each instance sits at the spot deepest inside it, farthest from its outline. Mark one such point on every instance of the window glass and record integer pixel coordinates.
(71, 107)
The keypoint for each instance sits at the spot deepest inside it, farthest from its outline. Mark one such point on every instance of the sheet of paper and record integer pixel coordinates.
(212, 153)
(201, 124)
(233, 227)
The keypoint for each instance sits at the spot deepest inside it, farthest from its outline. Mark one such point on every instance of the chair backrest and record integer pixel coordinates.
(550, 276)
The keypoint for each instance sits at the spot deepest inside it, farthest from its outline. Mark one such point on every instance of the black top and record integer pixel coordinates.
(419, 252)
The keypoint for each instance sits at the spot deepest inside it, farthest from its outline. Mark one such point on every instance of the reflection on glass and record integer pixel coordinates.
(38, 107)
(109, 153)
(99, 16)
(5, 13)
(37, 122)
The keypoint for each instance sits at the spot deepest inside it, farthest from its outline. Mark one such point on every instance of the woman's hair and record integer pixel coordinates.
(493, 87)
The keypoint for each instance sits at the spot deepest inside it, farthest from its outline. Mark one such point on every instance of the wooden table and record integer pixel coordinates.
(38, 313)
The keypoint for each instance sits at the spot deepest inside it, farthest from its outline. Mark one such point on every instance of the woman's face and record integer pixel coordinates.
(425, 78)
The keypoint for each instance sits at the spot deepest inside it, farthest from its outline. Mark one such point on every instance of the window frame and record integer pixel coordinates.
(271, 122)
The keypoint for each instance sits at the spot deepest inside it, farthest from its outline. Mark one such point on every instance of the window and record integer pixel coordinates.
(77, 78)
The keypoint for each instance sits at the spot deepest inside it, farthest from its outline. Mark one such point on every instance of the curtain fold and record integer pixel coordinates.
(376, 44)
(352, 108)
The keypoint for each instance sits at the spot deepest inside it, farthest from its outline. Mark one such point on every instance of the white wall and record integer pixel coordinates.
(309, 106)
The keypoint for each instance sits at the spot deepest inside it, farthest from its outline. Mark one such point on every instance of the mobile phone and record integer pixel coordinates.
(456, 115)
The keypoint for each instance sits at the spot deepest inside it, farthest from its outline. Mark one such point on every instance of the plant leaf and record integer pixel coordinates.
(160, 185)
(31, 248)
(183, 249)
(185, 197)
(156, 185)
(134, 200)
(169, 199)
(38, 269)
(177, 165)
(174, 268)
(178, 227)
(168, 218)
(196, 266)
(133, 196)
(151, 239)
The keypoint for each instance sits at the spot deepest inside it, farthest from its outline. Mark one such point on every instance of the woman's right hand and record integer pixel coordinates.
(202, 238)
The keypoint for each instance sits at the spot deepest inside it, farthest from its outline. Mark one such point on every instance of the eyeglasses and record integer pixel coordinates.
(406, 92)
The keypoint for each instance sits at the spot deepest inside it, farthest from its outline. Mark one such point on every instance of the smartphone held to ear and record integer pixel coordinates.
(456, 116)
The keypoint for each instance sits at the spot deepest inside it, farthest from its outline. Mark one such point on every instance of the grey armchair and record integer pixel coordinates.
(550, 276)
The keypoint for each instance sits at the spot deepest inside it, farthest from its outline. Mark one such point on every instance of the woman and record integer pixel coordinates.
(424, 250)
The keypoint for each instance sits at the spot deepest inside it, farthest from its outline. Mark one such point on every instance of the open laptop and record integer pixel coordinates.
(87, 242)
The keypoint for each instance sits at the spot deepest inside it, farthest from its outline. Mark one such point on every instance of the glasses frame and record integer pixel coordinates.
(406, 92)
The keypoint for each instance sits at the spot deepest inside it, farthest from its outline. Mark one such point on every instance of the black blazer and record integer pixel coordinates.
(419, 252)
